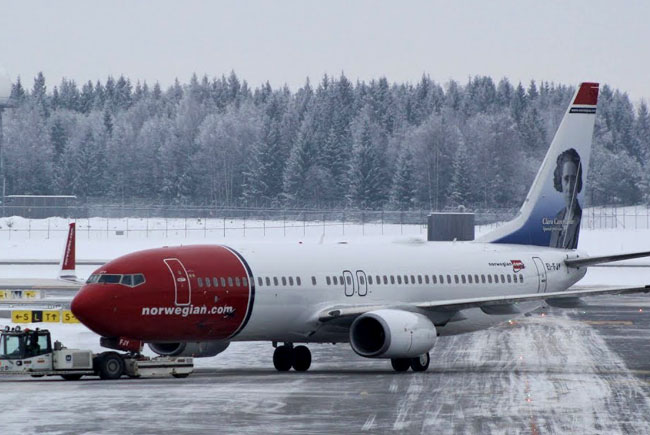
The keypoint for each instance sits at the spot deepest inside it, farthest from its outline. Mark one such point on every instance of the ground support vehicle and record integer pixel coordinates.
(30, 352)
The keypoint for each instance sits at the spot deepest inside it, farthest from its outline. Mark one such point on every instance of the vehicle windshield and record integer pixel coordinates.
(10, 346)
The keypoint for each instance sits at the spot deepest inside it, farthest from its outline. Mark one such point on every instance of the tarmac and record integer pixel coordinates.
(581, 370)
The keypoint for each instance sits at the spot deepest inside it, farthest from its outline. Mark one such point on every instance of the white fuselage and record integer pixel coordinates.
(407, 273)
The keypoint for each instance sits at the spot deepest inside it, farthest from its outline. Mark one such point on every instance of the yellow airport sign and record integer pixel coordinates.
(68, 317)
(21, 316)
(51, 316)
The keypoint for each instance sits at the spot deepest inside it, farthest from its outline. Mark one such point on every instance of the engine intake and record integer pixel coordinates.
(197, 349)
(392, 334)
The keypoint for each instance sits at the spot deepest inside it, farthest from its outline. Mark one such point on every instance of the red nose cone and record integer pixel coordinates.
(89, 307)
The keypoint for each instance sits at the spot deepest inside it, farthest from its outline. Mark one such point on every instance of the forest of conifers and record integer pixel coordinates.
(335, 143)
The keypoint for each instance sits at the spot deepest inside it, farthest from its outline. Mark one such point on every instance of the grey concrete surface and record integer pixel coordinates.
(564, 371)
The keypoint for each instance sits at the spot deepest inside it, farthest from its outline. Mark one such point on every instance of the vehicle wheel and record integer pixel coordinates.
(301, 358)
(283, 358)
(71, 377)
(400, 364)
(180, 375)
(111, 366)
(420, 363)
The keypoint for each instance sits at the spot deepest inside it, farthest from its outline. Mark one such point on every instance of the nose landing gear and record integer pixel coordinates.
(286, 356)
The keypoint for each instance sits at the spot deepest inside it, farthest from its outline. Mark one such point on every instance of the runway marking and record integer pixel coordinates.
(609, 322)
(370, 422)
(410, 399)
(393, 387)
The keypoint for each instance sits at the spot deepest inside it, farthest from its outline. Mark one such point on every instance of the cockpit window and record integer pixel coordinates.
(130, 280)
(109, 279)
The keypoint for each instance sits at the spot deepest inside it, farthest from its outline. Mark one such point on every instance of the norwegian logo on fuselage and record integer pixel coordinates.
(517, 265)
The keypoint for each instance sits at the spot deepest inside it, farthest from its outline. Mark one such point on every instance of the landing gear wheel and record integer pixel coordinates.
(400, 364)
(110, 366)
(420, 363)
(301, 358)
(71, 377)
(283, 358)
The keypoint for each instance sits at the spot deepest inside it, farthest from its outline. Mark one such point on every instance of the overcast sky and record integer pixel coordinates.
(286, 41)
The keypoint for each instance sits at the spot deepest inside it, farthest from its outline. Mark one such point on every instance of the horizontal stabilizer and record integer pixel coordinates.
(589, 261)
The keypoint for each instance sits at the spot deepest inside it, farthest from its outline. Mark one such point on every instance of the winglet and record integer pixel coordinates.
(68, 262)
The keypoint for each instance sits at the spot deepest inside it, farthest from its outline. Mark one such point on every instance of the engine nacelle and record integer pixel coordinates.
(197, 349)
(392, 334)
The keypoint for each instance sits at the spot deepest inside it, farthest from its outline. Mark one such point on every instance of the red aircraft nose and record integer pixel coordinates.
(90, 306)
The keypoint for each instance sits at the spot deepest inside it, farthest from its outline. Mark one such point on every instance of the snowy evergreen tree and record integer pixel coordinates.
(403, 190)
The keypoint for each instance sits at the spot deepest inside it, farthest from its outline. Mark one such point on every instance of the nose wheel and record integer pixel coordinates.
(286, 356)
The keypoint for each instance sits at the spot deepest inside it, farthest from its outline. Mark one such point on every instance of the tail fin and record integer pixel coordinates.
(551, 213)
(68, 262)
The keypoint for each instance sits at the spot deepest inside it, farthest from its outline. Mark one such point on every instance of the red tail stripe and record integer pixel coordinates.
(588, 94)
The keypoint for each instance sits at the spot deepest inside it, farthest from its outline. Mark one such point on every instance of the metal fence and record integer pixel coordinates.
(105, 221)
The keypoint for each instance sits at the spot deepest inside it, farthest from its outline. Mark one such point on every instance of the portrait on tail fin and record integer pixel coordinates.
(567, 179)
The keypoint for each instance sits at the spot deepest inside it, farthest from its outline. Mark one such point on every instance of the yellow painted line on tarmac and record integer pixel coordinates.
(609, 322)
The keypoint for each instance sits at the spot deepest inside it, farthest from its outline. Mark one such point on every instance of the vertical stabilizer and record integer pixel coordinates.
(552, 211)
(68, 261)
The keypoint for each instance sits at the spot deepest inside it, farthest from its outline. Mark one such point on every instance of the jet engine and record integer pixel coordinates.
(197, 349)
(391, 333)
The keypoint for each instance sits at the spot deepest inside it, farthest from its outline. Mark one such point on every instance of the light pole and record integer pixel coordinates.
(5, 93)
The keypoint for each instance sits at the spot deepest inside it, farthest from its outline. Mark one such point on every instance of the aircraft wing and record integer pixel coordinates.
(590, 261)
(491, 303)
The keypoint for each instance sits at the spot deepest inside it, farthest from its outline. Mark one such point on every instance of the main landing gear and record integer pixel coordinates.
(287, 356)
(418, 364)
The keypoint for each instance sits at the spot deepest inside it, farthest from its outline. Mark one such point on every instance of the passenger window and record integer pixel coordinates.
(496, 278)
(215, 282)
(483, 278)
(230, 281)
(509, 279)
(208, 282)
(361, 280)
(268, 281)
(328, 280)
(259, 281)
(284, 280)
(503, 279)
(456, 279)
(291, 280)
(426, 279)
(336, 281)
(419, 279)
(275, 281)
(378, 280)
(244, 282)
(313, 280)
(442, 279)
(469, 279)
(385, 279)
(406, 279)
(223, 282)
(462, 278)
(200, 282)
(489, 279)
(521, 278)
(349, 280)
(448, 279)
(399, 279)
(370, 279)
(434, 279)
(298, 281)
(392, 279)
(412, 279)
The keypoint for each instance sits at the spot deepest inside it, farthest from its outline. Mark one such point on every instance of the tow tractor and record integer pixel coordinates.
(30, 352)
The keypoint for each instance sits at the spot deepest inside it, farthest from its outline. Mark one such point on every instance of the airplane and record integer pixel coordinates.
(63, 287)
(388, 301)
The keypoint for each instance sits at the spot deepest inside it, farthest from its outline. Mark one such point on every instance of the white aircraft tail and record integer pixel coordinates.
(552, 211)
(68, 262)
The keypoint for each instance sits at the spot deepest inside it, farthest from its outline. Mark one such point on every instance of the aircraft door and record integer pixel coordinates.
(349, 283)
(182, 285)
(541, 274)
(363, 282)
